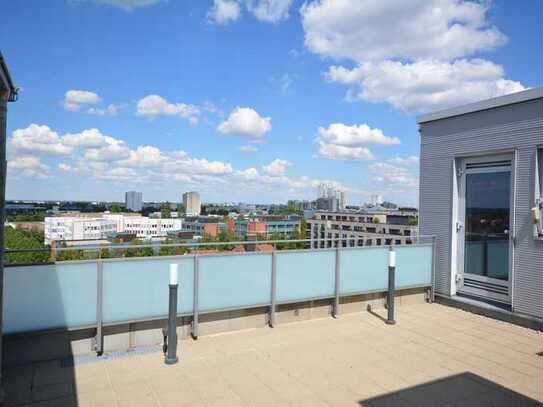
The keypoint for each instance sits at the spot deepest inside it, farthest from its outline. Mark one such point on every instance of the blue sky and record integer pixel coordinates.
(249, 100)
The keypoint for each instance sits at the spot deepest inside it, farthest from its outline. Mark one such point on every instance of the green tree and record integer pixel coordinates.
(115, 208)
(413, 222)
(22, 239)
(36, 217)
(134, 251)
(171, 250)
(165, 210)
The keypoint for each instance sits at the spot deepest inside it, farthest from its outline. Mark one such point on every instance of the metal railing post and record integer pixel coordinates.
(337, 282)
(195, 304)
(99, 338)
(273, 301)
(391, 285)
(171, 355)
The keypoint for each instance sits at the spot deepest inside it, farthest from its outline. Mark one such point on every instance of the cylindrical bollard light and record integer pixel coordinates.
(171, 353)
(391, 285)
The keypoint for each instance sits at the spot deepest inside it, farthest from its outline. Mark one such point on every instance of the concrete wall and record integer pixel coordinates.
(31, 347)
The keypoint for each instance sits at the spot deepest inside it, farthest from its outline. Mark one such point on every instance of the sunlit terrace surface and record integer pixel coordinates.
(435, 355)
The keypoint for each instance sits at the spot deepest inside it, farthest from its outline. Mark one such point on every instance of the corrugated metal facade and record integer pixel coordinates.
(516, 128)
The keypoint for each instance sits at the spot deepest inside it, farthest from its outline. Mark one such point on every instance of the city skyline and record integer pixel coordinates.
(315, 104)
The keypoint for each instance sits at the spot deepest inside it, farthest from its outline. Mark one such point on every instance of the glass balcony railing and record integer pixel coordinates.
(86, 293)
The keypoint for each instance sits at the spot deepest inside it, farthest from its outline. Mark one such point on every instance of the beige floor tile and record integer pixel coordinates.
(97, 398)
(434, 353)
(135, 394)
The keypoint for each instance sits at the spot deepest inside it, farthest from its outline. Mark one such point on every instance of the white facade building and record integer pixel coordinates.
(143, 227)
(133, 201)
(81, 228)
(77, 228)
(192, 203)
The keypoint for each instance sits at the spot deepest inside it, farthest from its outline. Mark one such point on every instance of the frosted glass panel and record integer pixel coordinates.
(137, 289)
(303, 275)
(49, 296)
(234, 281)
(413, 265)
(364, 270)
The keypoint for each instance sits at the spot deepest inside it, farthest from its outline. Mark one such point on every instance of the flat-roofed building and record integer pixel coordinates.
(133, 201)
(63, 228)
(77, 228)
(350, 229)
(192, 203)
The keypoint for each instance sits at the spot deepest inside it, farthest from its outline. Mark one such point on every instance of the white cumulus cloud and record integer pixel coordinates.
(277, 167)
(38, 139)
(342, 142)
(245, 121)
(425, 85)
(271, 11)
(391, 176)
(75, 99)
(411, 54)
(364, 30)
(223, 12)
(156, 105)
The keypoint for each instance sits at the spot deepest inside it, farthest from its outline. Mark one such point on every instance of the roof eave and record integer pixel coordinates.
(7, 81)
(512, 98)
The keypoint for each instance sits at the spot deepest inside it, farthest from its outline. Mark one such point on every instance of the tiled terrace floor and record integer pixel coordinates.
(434, 356)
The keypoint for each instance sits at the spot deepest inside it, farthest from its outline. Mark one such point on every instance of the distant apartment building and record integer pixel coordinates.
(327, 204)
(268, 226)
(354, 229)
(192, 203)
(107, 226)
(301, 205)
(204, 225)
(259, 226)
(133, 201)
(330, 197)
(376, 200)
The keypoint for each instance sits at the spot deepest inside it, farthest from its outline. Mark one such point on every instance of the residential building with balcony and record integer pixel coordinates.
(351, 229)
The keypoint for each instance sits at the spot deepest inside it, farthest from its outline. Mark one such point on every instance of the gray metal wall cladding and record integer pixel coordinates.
(518, 127)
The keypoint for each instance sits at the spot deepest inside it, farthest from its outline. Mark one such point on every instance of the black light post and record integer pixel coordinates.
(391, 285)
(171, 351)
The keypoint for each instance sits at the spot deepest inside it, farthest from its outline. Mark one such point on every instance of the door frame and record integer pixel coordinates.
(459, 217)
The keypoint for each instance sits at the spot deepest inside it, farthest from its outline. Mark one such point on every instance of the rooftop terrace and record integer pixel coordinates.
(435, 355)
